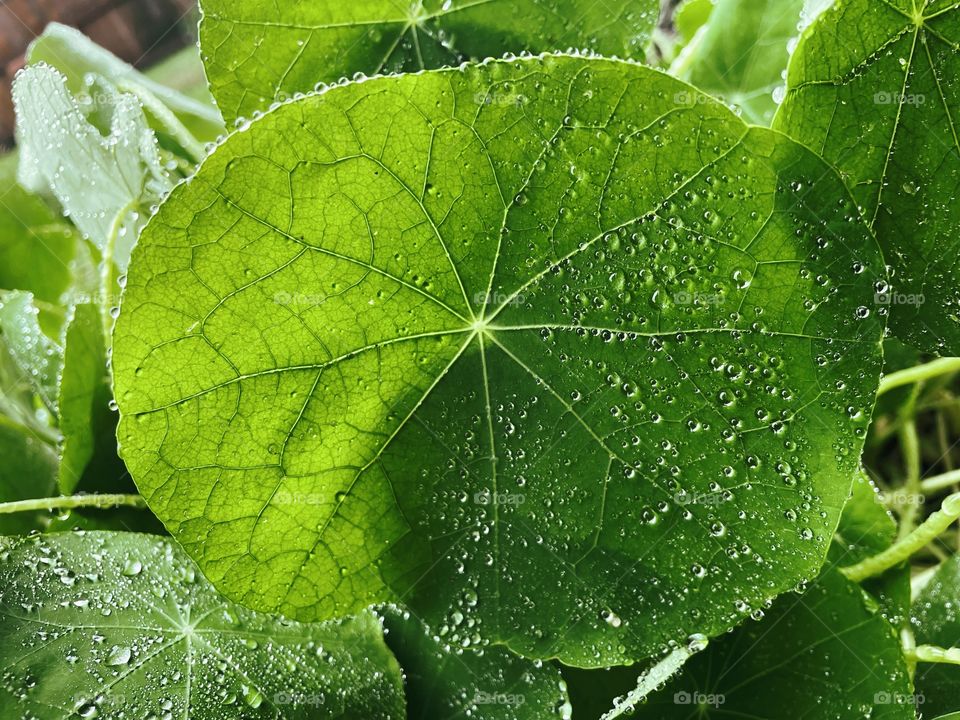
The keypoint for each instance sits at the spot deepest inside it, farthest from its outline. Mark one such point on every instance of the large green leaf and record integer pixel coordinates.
(258, 52)
(823, 655)
(936, 621)
(871, 88)
(446, 681)
(742, 54)
(116, 625)
(494, 359)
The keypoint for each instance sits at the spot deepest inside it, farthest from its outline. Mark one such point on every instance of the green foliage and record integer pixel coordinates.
(437, 363)
(259, 52)
(115, 624)
(870, 88)
(553, 359)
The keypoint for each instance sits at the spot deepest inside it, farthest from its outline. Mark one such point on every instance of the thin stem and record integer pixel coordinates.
(907, 546)
(940, 482)
(910, 444)
(918, 373)
(933, 654)
(73, 501)
(651, 679)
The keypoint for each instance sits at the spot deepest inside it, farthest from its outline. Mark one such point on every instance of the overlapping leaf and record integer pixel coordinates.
(258, 52)
(936, 621)
(446, 681)
(495, 359)
(121, 625)
(871, 88)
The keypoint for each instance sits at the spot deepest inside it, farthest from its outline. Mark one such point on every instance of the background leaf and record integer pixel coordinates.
(99, 624)
(257, 52)
(28, 470)
(451, 358)
(822, 655)
(936, 621)
(870, 88)
(742, 54)
(446, 681)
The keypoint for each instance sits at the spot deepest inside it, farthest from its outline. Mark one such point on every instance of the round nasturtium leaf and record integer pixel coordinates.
(872, 88)
(257, 52)
(584, 375)
(106, 626)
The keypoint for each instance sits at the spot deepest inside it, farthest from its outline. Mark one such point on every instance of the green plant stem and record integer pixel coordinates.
(940, 482)
(907, 546)
(910, 445)
(942, 366)
(933, 654)
(73, 501)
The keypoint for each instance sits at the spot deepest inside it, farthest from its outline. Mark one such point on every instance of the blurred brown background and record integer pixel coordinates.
(141, 32)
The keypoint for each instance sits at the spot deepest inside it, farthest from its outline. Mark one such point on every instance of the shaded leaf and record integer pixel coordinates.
(489, 683)
(122, 625)
(28, 469)
(823, 655)
(936, 621)
(36, 356)
(257, 52)
(871, 88)
(454, 358)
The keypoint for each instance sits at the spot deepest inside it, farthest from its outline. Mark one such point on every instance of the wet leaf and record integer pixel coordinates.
(36, 356)
(170, 112)
(936, 621)
(495, 360)
(871, 88)
(103, 166)
(109, 625)
(257, 52)
(823, 655)
(445, 681)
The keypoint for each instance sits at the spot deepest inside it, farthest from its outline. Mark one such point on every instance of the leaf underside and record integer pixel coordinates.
(394, 343)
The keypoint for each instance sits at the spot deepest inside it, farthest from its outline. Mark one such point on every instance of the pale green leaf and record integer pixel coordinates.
(258, 52)
(872, 88)
(28, 469)
(180, 117)
(742, 55)
(103, 167)
(37, 356)
(396, 342)
(121, 625)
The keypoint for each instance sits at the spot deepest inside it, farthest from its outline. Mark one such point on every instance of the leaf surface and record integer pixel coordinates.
(445, 682)
(823, 655)
(450, 359)
(936, 621)
(871, 89)
(122, 625)
(258, 52)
